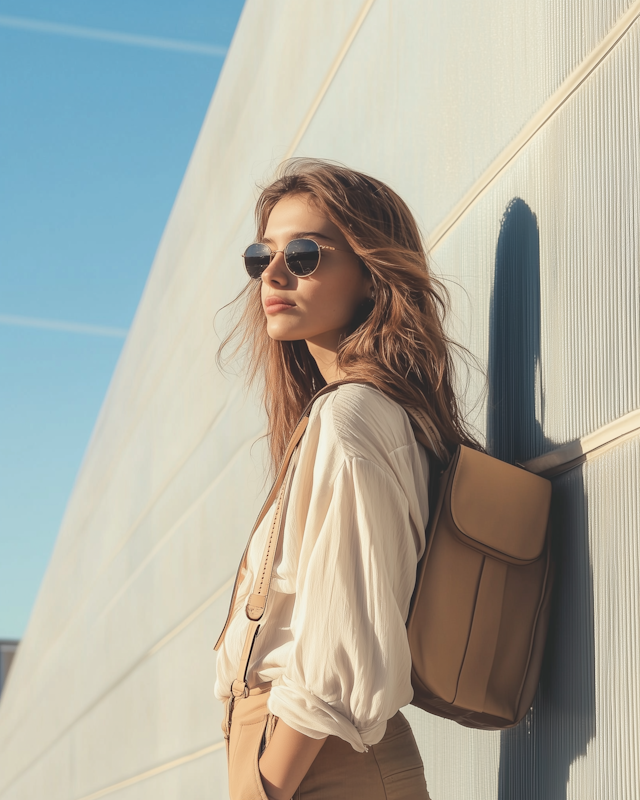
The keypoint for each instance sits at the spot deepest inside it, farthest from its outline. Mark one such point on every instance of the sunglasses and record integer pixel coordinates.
(301, 257)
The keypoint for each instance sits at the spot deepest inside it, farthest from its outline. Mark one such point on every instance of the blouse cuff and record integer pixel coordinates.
(308, 714)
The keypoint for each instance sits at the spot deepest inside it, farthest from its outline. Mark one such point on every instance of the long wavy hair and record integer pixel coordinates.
(396, 342)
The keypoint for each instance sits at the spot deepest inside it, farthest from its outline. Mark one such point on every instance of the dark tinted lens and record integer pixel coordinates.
(256, 259)
(302, 256)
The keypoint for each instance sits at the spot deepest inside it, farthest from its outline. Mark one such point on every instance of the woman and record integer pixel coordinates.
(340, 290)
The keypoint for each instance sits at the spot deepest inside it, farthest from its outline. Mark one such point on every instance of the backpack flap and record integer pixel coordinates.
(499, 509)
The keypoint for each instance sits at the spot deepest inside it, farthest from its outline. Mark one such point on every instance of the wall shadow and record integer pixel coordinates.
(536, 756)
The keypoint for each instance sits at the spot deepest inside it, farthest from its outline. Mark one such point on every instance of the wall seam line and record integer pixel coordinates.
(246, 209)
(536, 123)
(296, 140)
(333, 70)
(121, 678)
(150, 773)
(82, 602)
(239, 220)
(171, 530)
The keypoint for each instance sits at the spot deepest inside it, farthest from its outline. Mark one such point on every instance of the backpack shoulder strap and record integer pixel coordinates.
(277, 489)
(426, 432)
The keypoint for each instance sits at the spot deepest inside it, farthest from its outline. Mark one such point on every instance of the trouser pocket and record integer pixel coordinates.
(245, 744)
(248, 735)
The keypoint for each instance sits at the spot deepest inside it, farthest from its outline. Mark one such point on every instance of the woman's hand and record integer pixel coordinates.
(286, 760)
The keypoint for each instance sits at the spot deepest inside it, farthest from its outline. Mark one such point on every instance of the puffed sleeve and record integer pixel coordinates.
(349, 666)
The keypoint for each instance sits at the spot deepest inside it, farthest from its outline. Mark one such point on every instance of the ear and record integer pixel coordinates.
(369, 290)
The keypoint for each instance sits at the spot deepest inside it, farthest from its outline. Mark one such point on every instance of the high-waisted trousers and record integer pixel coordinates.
(392, 769)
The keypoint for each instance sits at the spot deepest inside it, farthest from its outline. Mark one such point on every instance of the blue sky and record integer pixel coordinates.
(100, 107)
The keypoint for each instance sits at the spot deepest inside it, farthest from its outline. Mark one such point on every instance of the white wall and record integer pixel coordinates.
(111, 692)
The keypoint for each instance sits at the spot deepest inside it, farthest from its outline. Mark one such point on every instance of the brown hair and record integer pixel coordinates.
(397, 343)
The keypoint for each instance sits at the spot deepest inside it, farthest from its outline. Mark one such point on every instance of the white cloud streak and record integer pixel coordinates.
(63, 327)
(114, 37)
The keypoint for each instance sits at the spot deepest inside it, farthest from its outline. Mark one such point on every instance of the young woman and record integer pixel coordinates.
(340, 290)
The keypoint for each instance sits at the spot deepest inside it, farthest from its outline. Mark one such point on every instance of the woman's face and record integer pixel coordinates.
(325, 302)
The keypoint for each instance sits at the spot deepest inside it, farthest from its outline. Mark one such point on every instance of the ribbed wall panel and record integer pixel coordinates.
(442, 89)
(113, 681)
(569, 209)
(581, 738)
(577, 183)
(584, 729)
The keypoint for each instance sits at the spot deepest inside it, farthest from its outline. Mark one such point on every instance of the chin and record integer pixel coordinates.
(283, 336)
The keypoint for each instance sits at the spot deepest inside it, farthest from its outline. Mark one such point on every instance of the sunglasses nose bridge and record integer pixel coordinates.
(275, 254)
(273, 258)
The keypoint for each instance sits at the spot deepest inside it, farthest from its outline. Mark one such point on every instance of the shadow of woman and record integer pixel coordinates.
(536, 755)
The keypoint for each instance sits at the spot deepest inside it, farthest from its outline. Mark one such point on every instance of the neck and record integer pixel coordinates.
(324, 350)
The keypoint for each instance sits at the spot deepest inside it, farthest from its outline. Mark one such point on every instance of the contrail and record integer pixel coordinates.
(115, 37)
(65, 327)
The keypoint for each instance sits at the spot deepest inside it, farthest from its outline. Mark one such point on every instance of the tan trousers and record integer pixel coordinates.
(390, 770)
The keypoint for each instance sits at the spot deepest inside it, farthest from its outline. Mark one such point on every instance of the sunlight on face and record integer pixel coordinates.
(324, 302)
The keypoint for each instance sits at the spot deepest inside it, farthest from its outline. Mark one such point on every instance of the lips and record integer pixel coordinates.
(277, 301)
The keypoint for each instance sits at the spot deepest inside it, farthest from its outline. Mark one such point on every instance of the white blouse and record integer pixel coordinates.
(333, 639)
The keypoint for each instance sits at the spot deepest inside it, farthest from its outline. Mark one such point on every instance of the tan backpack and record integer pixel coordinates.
(478, 619)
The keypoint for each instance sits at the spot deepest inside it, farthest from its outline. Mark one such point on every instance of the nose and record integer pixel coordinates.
(277, 271)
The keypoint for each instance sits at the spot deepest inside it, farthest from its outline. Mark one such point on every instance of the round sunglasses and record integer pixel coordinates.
(301, 257)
